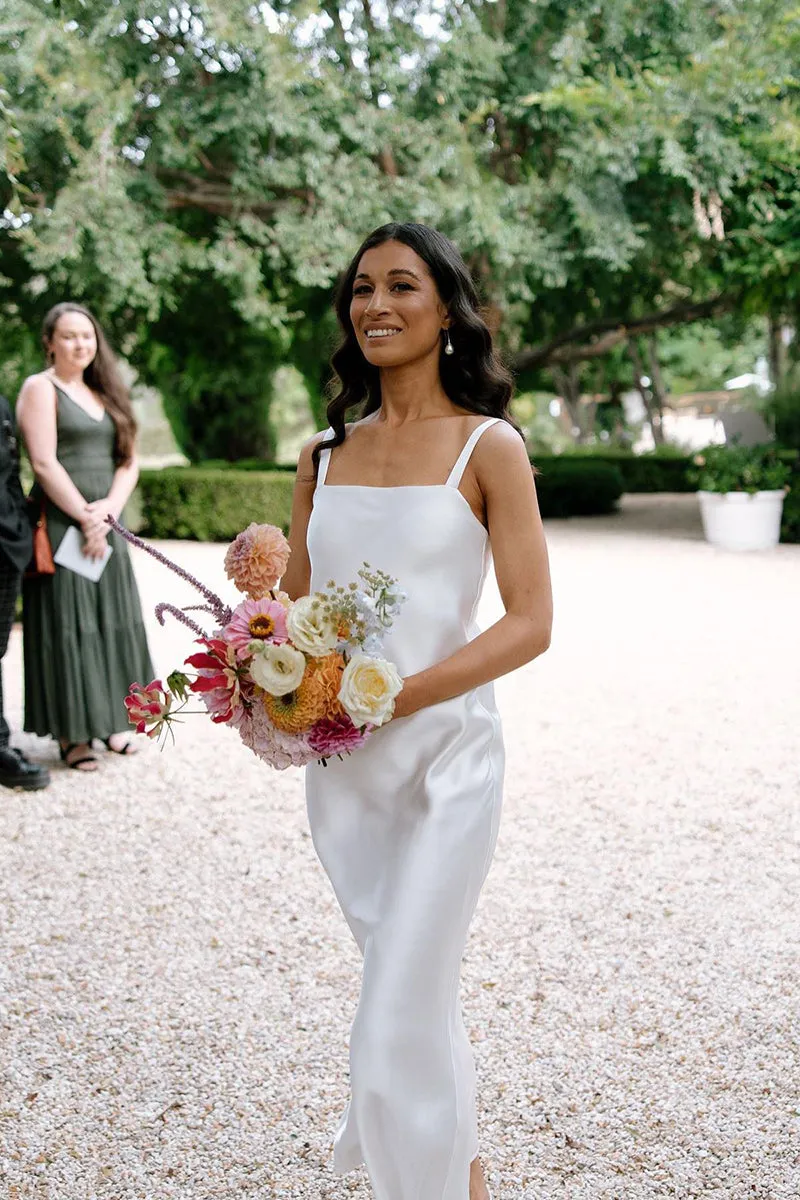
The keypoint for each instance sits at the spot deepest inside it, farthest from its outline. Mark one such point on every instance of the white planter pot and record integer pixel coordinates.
(741, 520)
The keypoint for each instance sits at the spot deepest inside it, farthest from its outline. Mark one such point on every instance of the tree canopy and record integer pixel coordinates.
(199, 174)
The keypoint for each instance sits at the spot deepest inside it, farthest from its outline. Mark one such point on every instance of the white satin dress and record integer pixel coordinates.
(405, 828)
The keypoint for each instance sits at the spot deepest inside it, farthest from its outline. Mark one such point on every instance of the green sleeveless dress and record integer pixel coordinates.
(84, 643)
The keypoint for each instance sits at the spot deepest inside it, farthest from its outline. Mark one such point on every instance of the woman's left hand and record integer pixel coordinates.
(96, 513)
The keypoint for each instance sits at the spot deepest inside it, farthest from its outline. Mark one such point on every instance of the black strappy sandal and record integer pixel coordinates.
(126, 750)
(75, 765)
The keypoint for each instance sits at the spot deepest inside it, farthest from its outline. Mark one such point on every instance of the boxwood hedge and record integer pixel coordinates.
(577, 487)
(212, 505)
(658, 472)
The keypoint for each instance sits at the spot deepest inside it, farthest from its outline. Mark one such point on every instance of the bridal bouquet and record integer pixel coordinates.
(301, 680)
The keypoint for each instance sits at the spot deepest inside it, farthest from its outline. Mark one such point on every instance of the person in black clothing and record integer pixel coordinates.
(16, 548)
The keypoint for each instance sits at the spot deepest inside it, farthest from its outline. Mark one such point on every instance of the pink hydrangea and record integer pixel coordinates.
(256, 620)
(337, 735)
(280, 750)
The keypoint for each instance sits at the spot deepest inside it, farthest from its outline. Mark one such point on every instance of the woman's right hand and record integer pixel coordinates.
(94, 543)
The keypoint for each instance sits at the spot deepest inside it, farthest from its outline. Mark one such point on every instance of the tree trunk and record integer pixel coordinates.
(648, 398)
(657, 386)
(568, 383)
(778, 356)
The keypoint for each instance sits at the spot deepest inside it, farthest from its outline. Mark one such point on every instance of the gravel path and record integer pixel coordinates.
(176, 982)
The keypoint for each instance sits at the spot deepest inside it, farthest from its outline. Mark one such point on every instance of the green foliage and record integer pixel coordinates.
(212, 506)
(244, 464)
(589, 159)
(702, 356)
(784, 409)
(656, 472)
(790, 525)
(200, 174)
(739, 469)
(214, 371)
(578, 487)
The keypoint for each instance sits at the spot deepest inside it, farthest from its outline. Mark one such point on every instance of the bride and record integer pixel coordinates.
(428, 483)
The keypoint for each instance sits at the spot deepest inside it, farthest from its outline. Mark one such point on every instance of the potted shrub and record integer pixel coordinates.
(741, 490)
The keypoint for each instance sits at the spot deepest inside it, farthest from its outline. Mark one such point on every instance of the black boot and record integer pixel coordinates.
(17, 772)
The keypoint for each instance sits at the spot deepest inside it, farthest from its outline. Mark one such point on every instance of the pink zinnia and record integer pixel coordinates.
(337, 735)
(257, 559)
(256, 620)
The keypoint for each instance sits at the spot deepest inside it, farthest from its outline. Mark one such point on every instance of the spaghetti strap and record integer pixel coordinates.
(455, 476)
(324, 460)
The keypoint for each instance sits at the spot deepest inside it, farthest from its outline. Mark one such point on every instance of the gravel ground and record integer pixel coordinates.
(177, 982)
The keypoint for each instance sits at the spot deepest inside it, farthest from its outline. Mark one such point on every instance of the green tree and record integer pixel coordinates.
(200, 173)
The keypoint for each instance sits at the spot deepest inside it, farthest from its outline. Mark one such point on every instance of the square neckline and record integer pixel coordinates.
(406, 487)
(451, 484)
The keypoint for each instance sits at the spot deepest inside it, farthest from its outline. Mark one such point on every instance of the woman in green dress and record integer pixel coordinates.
(85, 641)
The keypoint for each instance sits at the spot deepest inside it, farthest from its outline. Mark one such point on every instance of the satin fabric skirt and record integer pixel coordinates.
(405, 829)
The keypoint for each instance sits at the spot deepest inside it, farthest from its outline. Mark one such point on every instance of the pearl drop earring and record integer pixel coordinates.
(448, 346)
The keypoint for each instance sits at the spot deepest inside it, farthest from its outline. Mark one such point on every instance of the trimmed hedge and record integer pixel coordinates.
(214, 504)
(652, 472)
(209, 505)
(243, 464)
(656, 471)
(790, 525)
(577, 487)
(640, 472)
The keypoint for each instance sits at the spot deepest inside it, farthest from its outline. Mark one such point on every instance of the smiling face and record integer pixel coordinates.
(73, 344)
(396, 311)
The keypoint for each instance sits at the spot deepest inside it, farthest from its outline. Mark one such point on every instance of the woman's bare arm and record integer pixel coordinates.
(297, 580)
(523, 576)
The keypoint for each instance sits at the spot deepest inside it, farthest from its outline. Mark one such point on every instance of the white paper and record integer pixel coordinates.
(70, 555)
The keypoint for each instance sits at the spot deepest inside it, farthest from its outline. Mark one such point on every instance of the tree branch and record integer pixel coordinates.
(331, 7)
(220, 197)
(614, 332)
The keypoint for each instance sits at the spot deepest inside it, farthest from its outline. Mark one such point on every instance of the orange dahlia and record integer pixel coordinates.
(298, 710)
(329, 676)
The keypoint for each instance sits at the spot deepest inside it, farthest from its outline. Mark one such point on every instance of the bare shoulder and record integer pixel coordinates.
(36, 396)
(305, 459)
(39, 387)
(501, 449)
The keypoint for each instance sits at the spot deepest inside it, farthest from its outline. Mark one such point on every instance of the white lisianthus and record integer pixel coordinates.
(368, 690)
(278, 669)
(310, 627)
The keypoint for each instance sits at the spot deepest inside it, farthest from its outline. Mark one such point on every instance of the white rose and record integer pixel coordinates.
(311, 629)
(368, 690)
(278, 669)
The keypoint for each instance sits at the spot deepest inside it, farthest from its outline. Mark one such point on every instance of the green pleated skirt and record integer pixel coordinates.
(84, 643)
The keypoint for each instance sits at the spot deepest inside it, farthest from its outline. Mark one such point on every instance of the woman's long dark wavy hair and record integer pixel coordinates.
(473, 376)
(103, 377)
